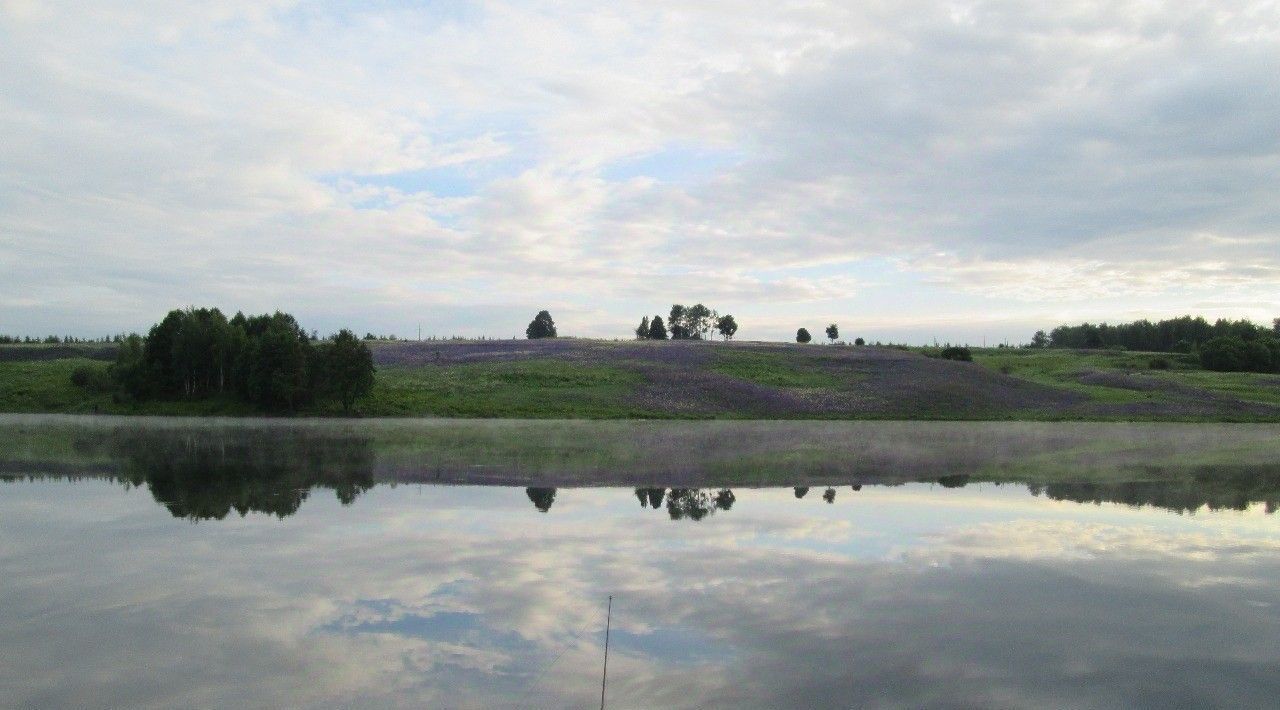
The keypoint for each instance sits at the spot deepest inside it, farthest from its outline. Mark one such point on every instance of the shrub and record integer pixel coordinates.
(802, 336)
(1159, 363)
(92, 379)
(859, 342)
(1223, 354)
(956, 352)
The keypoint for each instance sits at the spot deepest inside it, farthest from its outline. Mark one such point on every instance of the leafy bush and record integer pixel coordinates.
(92, 379)
(956, 352)
(1159, 363)
(1233, 354)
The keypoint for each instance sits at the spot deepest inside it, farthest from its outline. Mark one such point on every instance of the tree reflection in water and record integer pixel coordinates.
(542, 498)
(205, 474)
(209, 473)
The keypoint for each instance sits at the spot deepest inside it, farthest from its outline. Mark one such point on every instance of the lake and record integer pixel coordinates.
(453, 564)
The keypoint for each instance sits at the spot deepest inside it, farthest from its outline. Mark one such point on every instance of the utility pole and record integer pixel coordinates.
(604, 677)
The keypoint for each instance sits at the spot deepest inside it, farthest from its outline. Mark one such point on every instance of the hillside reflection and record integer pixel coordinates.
(206, 473)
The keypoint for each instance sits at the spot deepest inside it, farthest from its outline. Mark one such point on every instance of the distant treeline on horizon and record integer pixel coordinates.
(1175, 335)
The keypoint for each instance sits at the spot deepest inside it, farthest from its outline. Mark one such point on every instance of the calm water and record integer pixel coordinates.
(198, 569)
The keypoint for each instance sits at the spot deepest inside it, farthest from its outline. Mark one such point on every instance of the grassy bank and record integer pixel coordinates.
(585, 379)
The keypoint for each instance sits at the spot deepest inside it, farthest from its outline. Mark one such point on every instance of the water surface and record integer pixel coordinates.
(183, 566)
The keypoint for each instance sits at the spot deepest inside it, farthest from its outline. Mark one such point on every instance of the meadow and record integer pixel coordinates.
(567, 378)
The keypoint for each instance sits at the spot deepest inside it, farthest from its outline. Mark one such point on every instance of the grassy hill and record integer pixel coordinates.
(596, 379)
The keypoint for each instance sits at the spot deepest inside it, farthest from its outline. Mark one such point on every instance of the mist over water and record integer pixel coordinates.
(186, 565)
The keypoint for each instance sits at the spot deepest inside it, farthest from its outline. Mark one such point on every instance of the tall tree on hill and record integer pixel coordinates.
(541, 327)
(278, 360)
(833, 332)
(657, 331)
(676, 322)
(727, 326)
(802, 336)
(347, 368)
(642, 330)
(697, 321)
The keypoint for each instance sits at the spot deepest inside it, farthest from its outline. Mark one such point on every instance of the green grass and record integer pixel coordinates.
(531, 388)
(1064, 369)
(1248, 386)
(774, 370)
(553, 388)
(46, 387)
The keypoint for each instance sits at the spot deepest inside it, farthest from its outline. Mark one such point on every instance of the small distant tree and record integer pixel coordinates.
(657, 331)
(859, 342)
(726, 326)
(956, 352)
(802, 336)
(833, 332)
(347, 368)
(642, 330)
(1040, 339)
(541, 327)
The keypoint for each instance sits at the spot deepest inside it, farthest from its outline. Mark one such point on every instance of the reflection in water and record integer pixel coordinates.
(451, 596)
(947, 591)
(650, 497)
(542, 498)
(206, 473)
(1218, 488)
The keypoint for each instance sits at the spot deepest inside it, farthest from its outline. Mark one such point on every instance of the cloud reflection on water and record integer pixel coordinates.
(459, 597)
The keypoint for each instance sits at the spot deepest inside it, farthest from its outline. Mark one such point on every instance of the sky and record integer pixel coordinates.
(959, 171)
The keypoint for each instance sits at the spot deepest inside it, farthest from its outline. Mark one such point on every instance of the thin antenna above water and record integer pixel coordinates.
(604, 676)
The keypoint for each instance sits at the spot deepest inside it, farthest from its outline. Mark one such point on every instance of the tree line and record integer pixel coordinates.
(1175, 335)
(266, 360)
(1224, 345)
(57, 340)
(695, 322)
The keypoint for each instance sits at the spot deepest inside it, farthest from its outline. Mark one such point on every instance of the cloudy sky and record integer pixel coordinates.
(912, 170)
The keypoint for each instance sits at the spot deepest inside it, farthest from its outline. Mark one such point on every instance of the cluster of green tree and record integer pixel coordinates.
(694, 322)
(371, 336)
(1232, 353)
(1180, 335)
(267, 360)
(542, 326)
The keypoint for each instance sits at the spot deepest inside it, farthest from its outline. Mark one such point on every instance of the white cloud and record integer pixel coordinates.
(397, 159)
